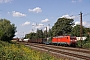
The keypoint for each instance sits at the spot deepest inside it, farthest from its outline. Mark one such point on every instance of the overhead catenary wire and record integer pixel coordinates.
(86, 14)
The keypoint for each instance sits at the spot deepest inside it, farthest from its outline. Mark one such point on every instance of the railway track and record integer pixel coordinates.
(77, 54)
(67, 48)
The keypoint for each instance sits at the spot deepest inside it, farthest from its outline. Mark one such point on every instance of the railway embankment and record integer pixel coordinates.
(17, 51)
(73, 53)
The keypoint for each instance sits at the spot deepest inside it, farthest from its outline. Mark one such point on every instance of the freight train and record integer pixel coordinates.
(58, 40)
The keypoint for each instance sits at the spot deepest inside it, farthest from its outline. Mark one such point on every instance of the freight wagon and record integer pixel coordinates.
(39, 40)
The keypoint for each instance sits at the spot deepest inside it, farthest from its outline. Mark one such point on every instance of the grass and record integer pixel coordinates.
(14, 51)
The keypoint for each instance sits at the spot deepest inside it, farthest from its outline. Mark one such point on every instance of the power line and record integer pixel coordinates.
(86, 14)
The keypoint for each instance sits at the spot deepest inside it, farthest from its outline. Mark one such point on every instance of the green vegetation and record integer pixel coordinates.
(32, 35)
(7, 30)
(63, 26)
(84, 44)
(76, 30)
(13, 51)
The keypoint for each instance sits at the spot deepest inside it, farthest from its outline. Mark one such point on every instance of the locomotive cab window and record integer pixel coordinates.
(67, 37)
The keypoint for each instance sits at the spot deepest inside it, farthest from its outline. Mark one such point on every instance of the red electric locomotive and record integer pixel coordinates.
(64, 40)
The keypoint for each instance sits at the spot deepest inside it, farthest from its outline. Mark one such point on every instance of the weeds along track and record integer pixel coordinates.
(75, 53)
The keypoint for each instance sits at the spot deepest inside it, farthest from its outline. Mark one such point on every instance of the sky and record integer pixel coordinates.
(30, 15)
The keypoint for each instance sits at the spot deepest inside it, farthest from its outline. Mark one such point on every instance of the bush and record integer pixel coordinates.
(87, 45)
(10, 51)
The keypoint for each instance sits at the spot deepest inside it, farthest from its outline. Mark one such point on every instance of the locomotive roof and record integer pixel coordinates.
(59, 36)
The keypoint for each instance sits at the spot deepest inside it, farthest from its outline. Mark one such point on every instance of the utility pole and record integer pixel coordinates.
(46, 34)
(81, 27)
(49, 31)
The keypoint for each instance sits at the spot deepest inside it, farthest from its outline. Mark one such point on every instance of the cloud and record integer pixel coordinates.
(80, 0)
(48, 27)
(8, 13)
(26, 23)
(39, 26)
(20, 34)
(33, 30)
(74, 1)
(68, 16)
(33, 24)
(45, 20)
(36, 26)
(6, 1)
(16, 33)
(86, 24)
(77, 23)
(36, 10)
(18, 14)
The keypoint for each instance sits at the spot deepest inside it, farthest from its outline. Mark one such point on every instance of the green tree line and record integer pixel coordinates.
(63, 26)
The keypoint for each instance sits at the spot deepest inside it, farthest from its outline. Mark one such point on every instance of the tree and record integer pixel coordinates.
(27, 36)
(62, 26)
(39, 33)
(49, 33)
(31, 35)
(7, 30)
(87, 30)
(76, 30)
